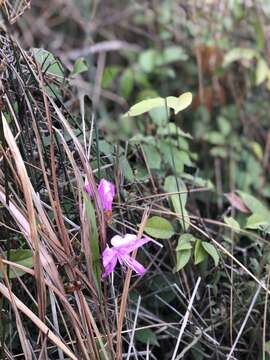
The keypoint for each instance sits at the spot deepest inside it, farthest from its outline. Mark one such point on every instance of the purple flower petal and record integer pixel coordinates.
(106, 191)
(128, 243)
(133, 264)
(120, 250)
(88, 189)
(109, 259)
(119, 241)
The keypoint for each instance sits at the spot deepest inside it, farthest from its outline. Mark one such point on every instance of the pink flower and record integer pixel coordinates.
(120, 250)
(106, 191)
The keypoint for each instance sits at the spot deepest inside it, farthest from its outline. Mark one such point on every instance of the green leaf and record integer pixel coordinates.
(172, 129)
(182, 258)
(153, 156)
(19, 256)
(176, 185)
(184, 242)
(94, 239)
(159, 228)
(178, 200)
(53, 90)
(211, 250)
(165, 149)
(105, 147)
(159, 116)
(224, 125)
(126, 83)
(141, 173)
(215, 138)
(239, 54)
(257, 221)
(109, 76)
(181, 158)
(257, 149)
(146, 336)
(166, 72)
(141, 79)
(172, 54)
(176, 103)
(148, 60)
(232, 223)
(179, 103)
(145, 106)
(219, 151)
(259, 31)
(267, 346)
(262, 71)
(165, 12)
(126, 168)
(254, 205)
(49, 64)
(79, 67)
(199, 254)
(198, 181)
(140, 138)
(176, 160)
(184, 246)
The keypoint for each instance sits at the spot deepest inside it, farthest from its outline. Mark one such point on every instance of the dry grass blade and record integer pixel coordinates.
(252, 304)
(26, 188)
(185, 320)
(124, 298)
(20, 305)
(14, 9)
(24, 342)
(29, 228)
(88, 172)
(85, 229)
(131, 343)
(265, 315)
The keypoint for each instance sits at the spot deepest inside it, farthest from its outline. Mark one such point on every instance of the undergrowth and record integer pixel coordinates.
(190, 173)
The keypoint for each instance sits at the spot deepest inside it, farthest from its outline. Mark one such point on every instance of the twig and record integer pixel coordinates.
(125, 294)
(134, 327)
(244, 322)
(184, 323)
(265, 315)
(101, 47)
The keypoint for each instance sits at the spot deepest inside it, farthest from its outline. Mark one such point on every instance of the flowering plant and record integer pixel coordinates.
(106, 191)
(120, 251)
